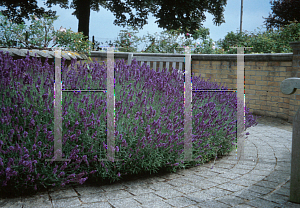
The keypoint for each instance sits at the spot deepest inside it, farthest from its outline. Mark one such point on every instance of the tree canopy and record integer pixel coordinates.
(171, 14)
(283, 11)
(18, 10)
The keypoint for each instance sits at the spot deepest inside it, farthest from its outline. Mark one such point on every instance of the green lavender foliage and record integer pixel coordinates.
(149, 131)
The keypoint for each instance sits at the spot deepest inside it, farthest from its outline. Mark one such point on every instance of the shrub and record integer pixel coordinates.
(263, 42)
(149, 123)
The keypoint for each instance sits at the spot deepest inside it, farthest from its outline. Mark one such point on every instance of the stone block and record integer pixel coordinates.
(267, 78)
(253, 77)
(273, 83)
(261, 73)
(250, 72)
(273, 63)
(255, 87)
(261, 82)
(286, 64)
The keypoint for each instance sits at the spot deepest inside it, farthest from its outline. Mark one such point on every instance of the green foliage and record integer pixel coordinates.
(283, 11)
(263, 42)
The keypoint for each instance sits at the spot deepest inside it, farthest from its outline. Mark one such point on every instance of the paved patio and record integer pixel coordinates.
(261, 180)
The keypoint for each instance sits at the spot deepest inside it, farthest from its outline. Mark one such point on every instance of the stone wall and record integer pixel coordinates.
(263, 76)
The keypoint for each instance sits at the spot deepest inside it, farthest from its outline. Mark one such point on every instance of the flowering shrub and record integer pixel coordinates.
(149, 132)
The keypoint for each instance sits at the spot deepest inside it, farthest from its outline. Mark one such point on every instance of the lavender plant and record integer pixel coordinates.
(149, 123)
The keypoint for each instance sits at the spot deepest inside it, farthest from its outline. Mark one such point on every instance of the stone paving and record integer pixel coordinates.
(260, 180)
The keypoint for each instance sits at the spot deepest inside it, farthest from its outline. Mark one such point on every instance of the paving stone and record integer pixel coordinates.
(124, 203)
(160, 186)
(224, 165)
(282, 191)
(212, 203)
(230, 186)
(262, 203)
(290, 205)
(230, 175)
(117, 194)
(147, 198)
(219, 170)
(157, 204)
(113, 187)
(260, 189)
(287, 185)
(207, 174)
(174, 175)
(274, 179)
(136, 190)
(37, 201)
(11, 202)
(238, 171)
(66, 202)
(96, 205)
(230, 200)
(99, 197)
(180, 202)
(230, 161)
(62, 193)
(86, 190)
(276, 198)
(279, 174)
(208, 194)
(186, 189)
(168, 193)
(247, 163)
(243, 206)
(268, 184)
(252, 177)
(243, 182)
(178, 182)
(247, 194)
(267, 167)
(205, 184)
(219, 180)
(260, 172)
(247, 167)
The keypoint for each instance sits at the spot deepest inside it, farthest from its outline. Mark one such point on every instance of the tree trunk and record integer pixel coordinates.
(84, 17)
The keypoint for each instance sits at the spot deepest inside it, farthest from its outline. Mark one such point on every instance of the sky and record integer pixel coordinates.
(102, 27)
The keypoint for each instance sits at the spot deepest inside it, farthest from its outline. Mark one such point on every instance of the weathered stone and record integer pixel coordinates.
(289, 86)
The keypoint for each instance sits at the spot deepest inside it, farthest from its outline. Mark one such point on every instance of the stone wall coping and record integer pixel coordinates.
(205, 57)
(68, 55)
